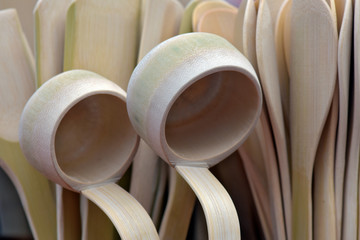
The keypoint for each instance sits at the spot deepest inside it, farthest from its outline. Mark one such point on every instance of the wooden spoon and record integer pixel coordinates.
(310, 45)
(17, 83)
(324, 197)
(219, 21)
(186, 129)
(75, 130)
(344, 62)
(254, 150)
(203, 7)
(269, 78)
(350, 222)
(281, 63)
(50, 19)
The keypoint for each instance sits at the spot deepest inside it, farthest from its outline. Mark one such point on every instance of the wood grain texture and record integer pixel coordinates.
(281, 63)
(350, 220)
(221, 216)
(17, 83)
(103, 37)
(129, 218)
(252, 151)
(50, 17)
(344, 63)
(324, 193)
(313, 76)
(179, 208)
(269, 78)
(161, 21)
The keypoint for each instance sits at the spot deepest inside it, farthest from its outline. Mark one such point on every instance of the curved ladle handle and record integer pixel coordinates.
(128, 216)
(220, 213)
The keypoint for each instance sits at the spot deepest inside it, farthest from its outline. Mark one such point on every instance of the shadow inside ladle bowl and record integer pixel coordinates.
(95, 139)
(211, 117)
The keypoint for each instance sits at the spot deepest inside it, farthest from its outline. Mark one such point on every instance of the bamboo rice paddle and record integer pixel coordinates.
(324, 197)
(350, 221)
(75, 130)
(205, 6)
(17, 83)
(344, 62)
(161, 21)
(313, 75)
(50, 19)
(205, 115)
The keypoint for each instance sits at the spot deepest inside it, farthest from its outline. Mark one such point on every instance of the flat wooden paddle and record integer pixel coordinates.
(50, 17)
(17, 83)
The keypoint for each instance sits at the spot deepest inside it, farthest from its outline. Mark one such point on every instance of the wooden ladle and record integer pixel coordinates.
(75, 130)
(195, 109)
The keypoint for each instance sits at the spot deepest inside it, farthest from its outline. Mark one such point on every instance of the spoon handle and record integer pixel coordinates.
(220, 213)
(128, 216)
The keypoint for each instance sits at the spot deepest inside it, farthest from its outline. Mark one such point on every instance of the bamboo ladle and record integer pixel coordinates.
(194, 110)
(313, 76)
(17, 83)
(75, 130)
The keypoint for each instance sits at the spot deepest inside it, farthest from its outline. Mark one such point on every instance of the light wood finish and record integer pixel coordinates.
(269, 78)
(310, 45)
(67, 214)
(179, 208)
(252, 151)
(82, 155)
(221, 217)
(103, 37)
(17, 83)
(186, 21)
(50, 17)
(344, 62)
(281, 63)
(205, 6)
(350, 222)
(123, 210)
(161, 21)
(24, 9)
(219, 21)
(186, 115)
(340, 12)
(245, 31)
(324, 194)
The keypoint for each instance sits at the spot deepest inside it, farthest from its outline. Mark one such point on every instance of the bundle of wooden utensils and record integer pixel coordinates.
(179, 119)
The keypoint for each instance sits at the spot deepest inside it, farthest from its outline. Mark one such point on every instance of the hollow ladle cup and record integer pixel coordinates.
(76, 131)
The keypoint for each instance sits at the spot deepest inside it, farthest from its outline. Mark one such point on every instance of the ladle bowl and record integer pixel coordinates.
(194, 99)
(75, 130)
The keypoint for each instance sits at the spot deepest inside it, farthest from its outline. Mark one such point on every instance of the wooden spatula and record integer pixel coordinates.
(17, 83)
